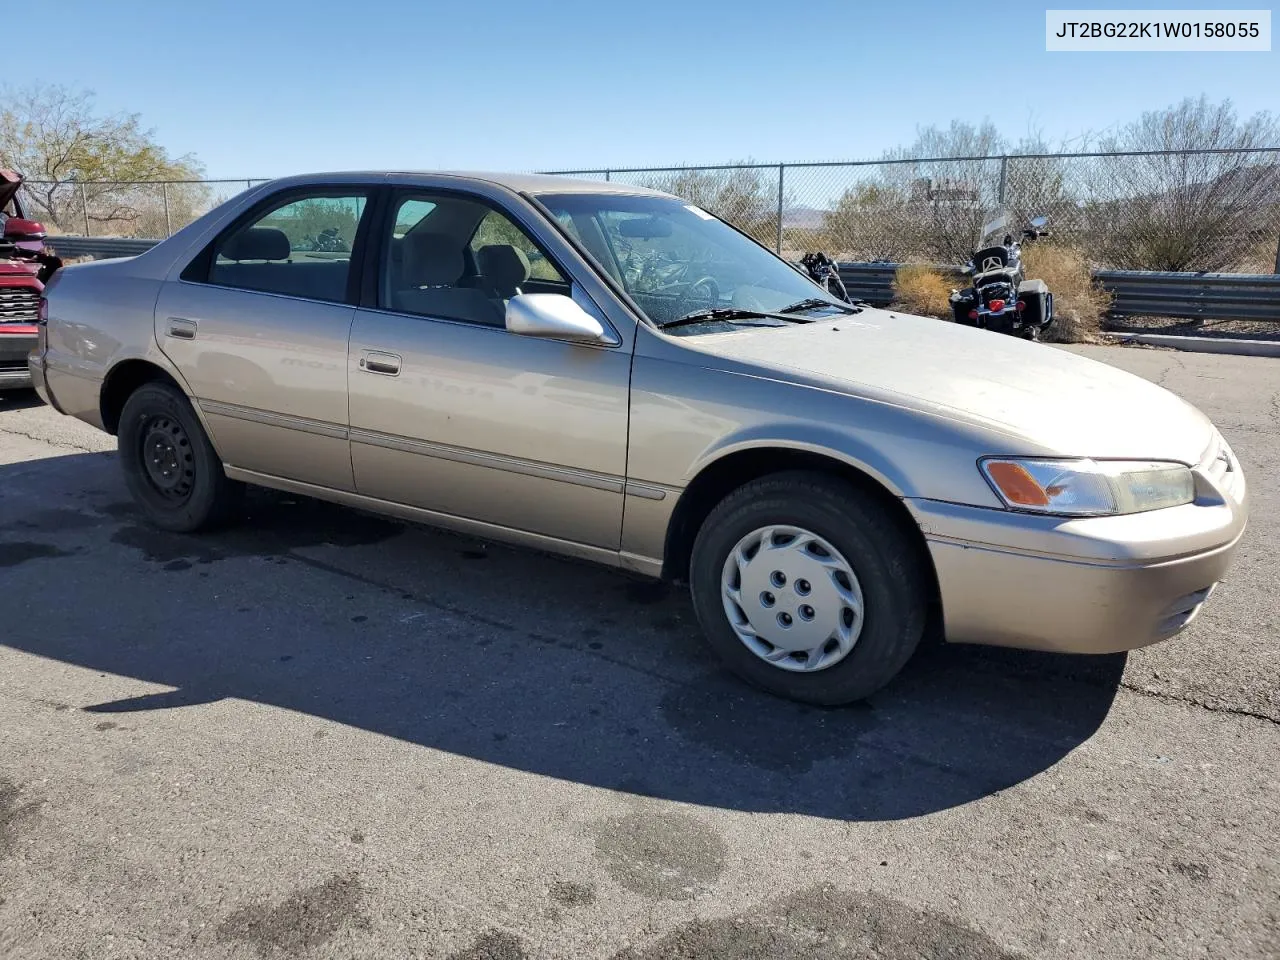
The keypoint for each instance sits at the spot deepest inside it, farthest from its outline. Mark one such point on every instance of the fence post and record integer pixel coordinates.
(606, 176)
(778, 244)
(1278, 256)
(168, 224)
(1004, 178)
(84, 208)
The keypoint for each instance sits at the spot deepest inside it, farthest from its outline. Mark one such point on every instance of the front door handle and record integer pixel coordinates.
(375, 361)
(182, 329)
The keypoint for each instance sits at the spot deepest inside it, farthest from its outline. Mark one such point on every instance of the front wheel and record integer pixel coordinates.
(170, 466)
(807, 587)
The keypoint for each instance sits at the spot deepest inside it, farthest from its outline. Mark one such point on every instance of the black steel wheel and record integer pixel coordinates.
(170, 466)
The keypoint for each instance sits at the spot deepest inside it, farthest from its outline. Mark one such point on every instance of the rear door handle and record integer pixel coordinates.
(375, 361)
(182, 329)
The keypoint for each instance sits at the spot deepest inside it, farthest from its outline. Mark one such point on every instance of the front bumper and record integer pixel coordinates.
(14, 349)
(1085, 585)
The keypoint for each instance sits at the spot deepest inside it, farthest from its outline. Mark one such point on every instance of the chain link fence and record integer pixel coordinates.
(110, 209)
(1195, 210)
(1208, 210)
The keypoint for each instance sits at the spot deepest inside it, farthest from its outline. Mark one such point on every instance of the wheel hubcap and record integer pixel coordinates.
(167, 458)
(792, 598)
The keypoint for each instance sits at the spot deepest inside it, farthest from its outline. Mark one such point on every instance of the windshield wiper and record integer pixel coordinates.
(728, 315)
(813, 303)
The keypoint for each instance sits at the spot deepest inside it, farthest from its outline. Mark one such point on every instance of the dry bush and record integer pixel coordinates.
(1079, 304)
(922, 290)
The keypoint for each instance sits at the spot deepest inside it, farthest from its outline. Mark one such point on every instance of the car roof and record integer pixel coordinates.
(518, 182)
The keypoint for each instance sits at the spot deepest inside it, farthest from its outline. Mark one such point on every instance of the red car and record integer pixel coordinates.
(25, 266)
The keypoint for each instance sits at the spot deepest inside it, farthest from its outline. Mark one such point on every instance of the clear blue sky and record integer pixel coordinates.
(267, 88)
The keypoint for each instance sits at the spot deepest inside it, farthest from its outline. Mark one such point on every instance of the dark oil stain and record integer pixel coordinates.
(473, 554)
(56, 520)
(12, 554)
(14, 814)
(823, 923)
(647, 591)
(104, 726)
(1196, 871)
(659, 854)
(269, 527)
(570, 893)
(161, 546)
(57, 705)
(727, 717)
(178, 565)
(1093, 816)
(493, 945)
(357, 836)
(302, 922)
(595, 645)
(320, 734)
(499, 737)
(360, 618)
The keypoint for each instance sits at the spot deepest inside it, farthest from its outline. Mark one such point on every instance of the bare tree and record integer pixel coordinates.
(81, 165)
(1187, 211)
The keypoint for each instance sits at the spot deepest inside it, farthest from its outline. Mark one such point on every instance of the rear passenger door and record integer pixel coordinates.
(258, 326)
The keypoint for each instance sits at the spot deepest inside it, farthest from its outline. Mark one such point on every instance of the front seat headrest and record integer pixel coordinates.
(258, 243)
(503, 265)
(431, 260)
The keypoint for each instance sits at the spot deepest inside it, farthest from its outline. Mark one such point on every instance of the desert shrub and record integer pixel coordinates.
(1079, 303)
(923, 290)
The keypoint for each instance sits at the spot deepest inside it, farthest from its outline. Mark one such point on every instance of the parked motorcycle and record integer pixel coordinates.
(999, 297)
(824, 272)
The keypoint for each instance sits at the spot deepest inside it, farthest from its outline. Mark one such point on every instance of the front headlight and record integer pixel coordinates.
(1089, 488)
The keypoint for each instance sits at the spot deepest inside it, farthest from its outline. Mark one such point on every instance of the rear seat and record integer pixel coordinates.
(261, 259)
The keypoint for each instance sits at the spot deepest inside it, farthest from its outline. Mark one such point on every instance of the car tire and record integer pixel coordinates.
(886, 564)
(170, 467)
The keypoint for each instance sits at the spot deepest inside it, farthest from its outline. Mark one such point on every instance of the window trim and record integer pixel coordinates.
(200, 267)
(378, 248)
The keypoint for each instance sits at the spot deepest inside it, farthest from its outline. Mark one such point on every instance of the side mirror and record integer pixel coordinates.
(23, 229)
(552, 316)
(1039, 222)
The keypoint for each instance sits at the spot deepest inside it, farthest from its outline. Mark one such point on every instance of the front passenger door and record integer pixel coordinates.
(452, 413)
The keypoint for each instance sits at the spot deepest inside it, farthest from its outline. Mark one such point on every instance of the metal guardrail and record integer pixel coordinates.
(99, 248)
(1191, 296)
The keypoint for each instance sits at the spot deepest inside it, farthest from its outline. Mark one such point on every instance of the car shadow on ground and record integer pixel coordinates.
(513, 658)
(19, 400)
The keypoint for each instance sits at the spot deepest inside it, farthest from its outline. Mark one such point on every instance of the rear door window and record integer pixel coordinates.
(301, 248)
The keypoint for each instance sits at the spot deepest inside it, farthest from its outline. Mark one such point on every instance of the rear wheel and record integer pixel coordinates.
(170, 466)
(807, 587)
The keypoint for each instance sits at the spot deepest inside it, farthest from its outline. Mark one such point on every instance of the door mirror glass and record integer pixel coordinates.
(1039, 222)
(552, 316)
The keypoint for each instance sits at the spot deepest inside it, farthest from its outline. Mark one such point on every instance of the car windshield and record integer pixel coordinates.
(674, 259)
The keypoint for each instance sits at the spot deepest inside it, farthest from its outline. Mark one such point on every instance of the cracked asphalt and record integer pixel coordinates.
(324, 734)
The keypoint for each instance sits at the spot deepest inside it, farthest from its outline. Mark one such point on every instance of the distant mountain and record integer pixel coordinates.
(803, 218)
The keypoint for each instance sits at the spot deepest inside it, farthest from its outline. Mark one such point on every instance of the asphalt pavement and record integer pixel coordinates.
(324, 734)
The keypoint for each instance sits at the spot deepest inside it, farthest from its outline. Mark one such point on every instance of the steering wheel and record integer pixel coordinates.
(702, 294)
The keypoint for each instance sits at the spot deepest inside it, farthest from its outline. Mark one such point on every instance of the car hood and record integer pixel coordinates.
(1045, 399)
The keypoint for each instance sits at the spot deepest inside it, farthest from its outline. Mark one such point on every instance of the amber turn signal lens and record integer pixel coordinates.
(1017, 484)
